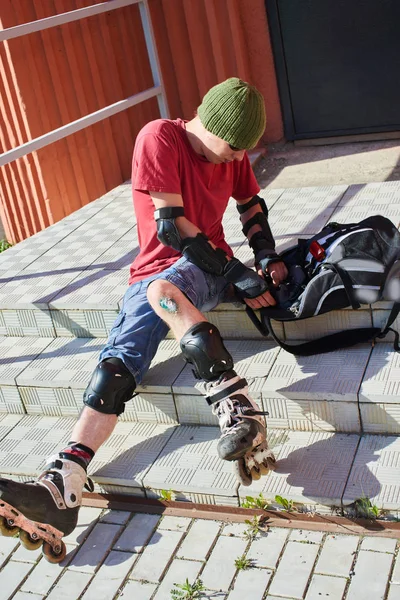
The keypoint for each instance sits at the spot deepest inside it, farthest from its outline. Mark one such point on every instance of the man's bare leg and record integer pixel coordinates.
(93, 428)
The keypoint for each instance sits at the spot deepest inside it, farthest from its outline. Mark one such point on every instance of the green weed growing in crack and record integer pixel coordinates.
(167, 495)
(257, 502)
(4, 245)
(288, 505)
(365, 509)
(242, 563)
(187, 591)
(254, 526)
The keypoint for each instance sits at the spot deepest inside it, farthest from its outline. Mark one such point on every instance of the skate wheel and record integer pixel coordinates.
(27, 542)
(242, 474)
(54, 557)
(256, 473)
(8, 530)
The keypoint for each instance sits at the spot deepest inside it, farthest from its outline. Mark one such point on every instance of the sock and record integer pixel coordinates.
(79, 453)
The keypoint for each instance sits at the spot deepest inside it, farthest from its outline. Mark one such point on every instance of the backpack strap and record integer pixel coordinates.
(327, 343)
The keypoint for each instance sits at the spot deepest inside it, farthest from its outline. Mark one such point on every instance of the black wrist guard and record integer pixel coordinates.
(248, 283)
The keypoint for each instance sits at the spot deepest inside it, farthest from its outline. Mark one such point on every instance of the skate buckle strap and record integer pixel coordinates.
(89, 485)
(226, 392)
(252, 413)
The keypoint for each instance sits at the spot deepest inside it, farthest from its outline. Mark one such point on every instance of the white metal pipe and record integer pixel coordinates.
(78, 125)
(62, 18)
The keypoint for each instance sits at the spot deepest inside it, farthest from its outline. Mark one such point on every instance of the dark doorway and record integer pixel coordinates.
(338, 65)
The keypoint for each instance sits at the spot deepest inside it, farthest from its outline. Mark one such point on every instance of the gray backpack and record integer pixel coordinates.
(343, 265)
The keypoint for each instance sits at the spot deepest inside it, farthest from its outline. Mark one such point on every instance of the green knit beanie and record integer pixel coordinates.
(234, 111)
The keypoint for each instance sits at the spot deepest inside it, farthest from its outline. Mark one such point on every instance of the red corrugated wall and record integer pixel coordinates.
(50, 78)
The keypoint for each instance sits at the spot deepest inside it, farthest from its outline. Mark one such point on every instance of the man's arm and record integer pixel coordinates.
(187, 238)
(254, 217)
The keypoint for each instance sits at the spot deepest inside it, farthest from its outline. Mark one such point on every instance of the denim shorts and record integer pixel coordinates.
(138, 330)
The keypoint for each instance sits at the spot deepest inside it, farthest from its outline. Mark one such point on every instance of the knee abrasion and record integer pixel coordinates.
(202, 346)
(111, 386)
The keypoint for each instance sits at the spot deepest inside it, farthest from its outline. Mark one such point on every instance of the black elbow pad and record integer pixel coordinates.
(167, 231)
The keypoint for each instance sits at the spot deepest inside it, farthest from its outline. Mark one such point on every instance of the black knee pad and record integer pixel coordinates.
(202, 346)
(112, 385)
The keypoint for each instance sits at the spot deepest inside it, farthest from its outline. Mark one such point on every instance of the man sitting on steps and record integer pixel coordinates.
(183, 175)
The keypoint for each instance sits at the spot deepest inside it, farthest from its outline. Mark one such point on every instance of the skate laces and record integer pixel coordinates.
(230, 412)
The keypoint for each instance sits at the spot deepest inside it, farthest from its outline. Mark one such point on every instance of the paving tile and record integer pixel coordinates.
(27, 323)
(337, 555)
(44, 575)
(394, 592)
(26, 596)
(306, 537)
(16, 353)
(234, 529)
(178, 572)
(93, 289)
(128, 454)
(378, 544)
(335, 376)
(375, 472)
(251, 583)
(118, 517)
(372, 194)
(326, 586)
(380, 318)
(11, 576)
(121, 254)
(83, 323)
(380, 417)
(189, 462)
(381, 382)
(199, 540)
(174, 523)
(234, 324)
(298, 560)
(312, 468)
(87, 518)
(266, 549)
(358, 212)
(365, 584)
(28, 556)
(27, 447)
(137, 533)
(326, 324)
(220, 567)
(138, 590)
(110, 576)
(396, 571)
(70, 586)
(164, 369)
(7, 547)
(94, 549)
(156, 556)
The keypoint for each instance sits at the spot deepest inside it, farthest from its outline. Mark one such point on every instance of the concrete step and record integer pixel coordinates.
(354, 390)
(320, 471)
(68, 280)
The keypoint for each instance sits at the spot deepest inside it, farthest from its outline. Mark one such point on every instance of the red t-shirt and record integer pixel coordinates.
(164, 161)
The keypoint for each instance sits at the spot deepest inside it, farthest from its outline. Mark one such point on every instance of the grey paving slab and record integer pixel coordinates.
(87, 519)
(43, 576)
(266, 549)
(94, 289)
(199, 540)
(234, 529)
(95, 548)
(375, 472)
(365, 583)
(26, 323)
(164, 369)
(174, 523)
(137, 533)
(220, 568)
(16, 354)
(159, 408)
(312, 468)
(380, 417)
(178, 572)
(325, 585)
(66, 362)
(394, 592)
(121, 254)
(378, 544)
(82, 323)
(381, 382)
(357, 212)
(127, 456)
(7, 547)
(70, 586)
(317, 197)
(26, 596)
(306, 537)
(379, 319)
(189, 462)
(29, 444)
(235, 324)
(139, 590)
(337, 555)
(372, 194)
(110, 576)
(334, 376)
(156, 556)
(251, 583)
(298, 560)
(395, 578)
(118, 517)
(11, 576)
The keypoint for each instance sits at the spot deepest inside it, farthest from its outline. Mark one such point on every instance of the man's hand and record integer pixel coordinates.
(262, 301)
(250, 286)
(276, 270)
